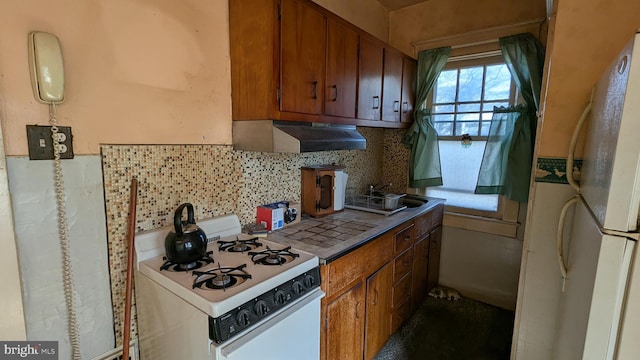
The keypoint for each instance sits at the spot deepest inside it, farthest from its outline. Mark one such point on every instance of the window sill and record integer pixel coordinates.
(481, 224)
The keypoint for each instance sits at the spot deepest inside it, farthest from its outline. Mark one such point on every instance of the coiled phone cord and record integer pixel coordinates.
(67, 273)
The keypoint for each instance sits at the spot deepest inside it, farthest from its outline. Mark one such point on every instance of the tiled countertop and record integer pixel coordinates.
(334, 235)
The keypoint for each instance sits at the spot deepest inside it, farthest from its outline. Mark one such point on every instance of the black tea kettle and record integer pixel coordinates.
(188, 243)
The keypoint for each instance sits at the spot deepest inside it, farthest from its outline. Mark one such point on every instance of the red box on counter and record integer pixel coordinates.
(278, 215)
(271, 216)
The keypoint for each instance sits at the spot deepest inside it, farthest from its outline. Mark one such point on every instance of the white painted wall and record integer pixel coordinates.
(32, 190)
(481, 266)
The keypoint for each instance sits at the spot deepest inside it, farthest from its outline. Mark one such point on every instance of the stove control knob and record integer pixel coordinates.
(309, 281)
(297, 287)
(261, 308)
(280, 297)
(243, 318)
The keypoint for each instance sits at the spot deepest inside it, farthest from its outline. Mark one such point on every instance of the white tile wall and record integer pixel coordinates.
(540, 283)
(12, 326)
(40, 254)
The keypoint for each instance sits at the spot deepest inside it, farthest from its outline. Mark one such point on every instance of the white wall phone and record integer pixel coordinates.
(47, 80)
(46, 67)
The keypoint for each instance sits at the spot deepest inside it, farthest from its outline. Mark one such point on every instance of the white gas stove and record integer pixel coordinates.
(246, 293)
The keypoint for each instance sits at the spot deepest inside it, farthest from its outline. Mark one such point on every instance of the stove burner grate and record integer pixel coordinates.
(171, 266)
(239, 245)
(273, 257)
(220, 277)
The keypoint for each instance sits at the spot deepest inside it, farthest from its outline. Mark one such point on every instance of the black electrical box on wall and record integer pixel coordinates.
(41, 142)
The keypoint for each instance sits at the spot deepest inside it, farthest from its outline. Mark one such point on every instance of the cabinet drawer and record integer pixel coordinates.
(365, 260)
(428, 221)
(399, 315)
(401, 291)
(402, 264)
(403, 239)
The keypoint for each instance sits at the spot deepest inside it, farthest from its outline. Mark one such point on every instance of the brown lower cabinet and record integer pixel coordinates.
(420, 268)
(345, 316)
(435, 243)
(378, 322)
(372, 290)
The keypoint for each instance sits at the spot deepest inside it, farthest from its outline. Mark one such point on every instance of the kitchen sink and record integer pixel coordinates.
(373, 204)
(376, 203)
(412, 201)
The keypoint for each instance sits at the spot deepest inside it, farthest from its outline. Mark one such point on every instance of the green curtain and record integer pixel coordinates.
(422, 138)
(506, 163)
(524, 56)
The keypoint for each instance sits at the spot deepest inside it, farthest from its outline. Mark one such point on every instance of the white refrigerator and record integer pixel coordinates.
(599, 311)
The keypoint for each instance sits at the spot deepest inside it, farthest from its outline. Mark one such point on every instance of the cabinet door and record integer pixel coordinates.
(345, 325)
(325, 192)
(342, 69)
(409, 72)
(303, 44)
(435, 239)
(370, 80)
(391, 86)
(420, 269)
(378, 322)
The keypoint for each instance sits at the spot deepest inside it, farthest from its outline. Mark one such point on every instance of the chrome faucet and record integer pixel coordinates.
(383, 186)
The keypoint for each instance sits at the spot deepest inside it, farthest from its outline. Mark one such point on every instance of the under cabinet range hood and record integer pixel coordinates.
(295, 137)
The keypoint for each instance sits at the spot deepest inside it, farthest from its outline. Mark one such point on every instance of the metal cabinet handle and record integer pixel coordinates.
(315, 90)
(357, 308)
(396, 106)
(376, 102)
(375, 296)
(406, 289)
(335, 92)
(405, 107)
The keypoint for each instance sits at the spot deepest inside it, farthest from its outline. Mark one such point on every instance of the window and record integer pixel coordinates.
(462, 103)
(464, 97)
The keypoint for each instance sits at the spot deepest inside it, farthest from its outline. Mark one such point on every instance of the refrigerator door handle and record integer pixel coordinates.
(572, 146)
(560, 237)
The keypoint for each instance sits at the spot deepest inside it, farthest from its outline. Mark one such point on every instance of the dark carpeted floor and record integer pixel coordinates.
(457, 330)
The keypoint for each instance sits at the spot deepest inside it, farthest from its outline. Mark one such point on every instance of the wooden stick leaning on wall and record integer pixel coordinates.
(126, 330)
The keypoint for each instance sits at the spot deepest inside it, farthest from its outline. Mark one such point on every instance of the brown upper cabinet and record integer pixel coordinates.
(370, 79)
(303, 48)
(409, 73)
(399, 87)
(342, 70)
(294, 60)
(392, 86)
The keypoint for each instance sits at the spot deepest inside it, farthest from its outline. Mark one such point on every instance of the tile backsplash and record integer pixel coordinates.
(217, 180)
(395, 161)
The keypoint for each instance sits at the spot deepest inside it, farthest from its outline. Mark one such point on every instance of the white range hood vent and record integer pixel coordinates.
(295, 137)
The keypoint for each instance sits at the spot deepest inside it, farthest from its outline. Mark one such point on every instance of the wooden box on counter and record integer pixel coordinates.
(318, 187)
